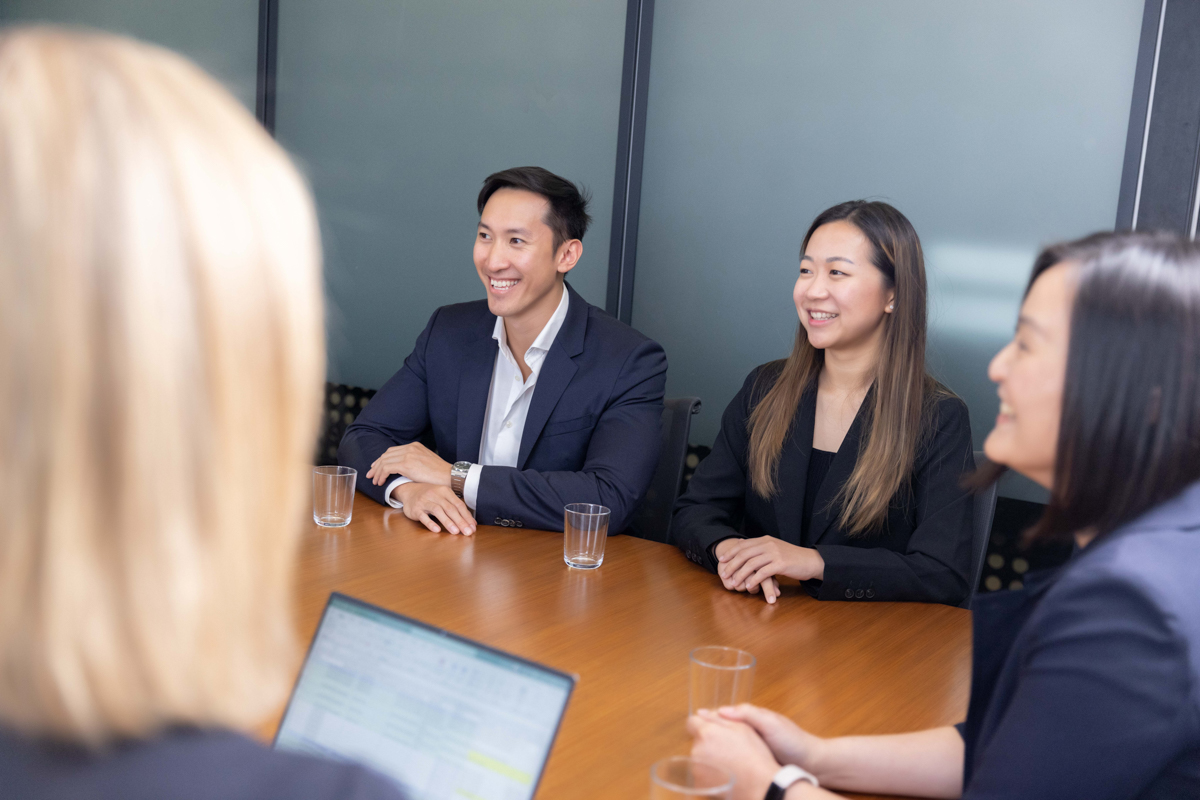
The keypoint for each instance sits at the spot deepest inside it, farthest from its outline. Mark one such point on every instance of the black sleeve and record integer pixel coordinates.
(712, 507)
(397, 414)
(1104, 700)
(936, 565)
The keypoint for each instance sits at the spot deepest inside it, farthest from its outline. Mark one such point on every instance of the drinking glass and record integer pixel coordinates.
(333, 496)
(720, 676)
(680, 777)
(585, 530)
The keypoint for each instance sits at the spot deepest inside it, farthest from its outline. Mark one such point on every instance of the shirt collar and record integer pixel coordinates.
(549, 332)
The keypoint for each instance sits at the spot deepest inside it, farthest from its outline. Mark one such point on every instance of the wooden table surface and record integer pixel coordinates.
(626, 629)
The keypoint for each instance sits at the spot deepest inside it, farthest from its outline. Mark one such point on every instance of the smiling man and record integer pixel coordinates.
(533, 398)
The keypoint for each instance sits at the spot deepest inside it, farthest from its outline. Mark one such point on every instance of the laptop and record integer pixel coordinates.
(444, 716)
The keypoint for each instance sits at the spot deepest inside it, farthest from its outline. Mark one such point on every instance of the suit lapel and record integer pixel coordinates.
(839, 472)
(474, 383)
(793, 469)
(556, 373)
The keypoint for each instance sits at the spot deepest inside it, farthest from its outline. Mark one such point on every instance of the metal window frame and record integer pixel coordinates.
(631, 141)
(1160, 180)
(268, 61)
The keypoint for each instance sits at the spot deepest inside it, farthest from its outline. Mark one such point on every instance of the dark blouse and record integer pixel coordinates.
(183, 764)
(818, 467)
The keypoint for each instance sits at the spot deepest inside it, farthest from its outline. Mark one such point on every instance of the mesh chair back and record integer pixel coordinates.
(985, 510)
(342, 406)
(652, 519)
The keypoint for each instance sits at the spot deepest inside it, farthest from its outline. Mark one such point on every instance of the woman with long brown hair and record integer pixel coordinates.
(841, 465)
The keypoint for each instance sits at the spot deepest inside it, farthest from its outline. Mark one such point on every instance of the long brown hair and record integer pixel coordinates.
(904, 394)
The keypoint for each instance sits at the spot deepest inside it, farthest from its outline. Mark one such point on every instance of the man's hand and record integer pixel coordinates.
(429, 504)
(736, 748)
(414, 461)
(745, 565)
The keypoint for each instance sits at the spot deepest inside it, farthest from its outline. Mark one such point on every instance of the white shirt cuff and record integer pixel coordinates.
(387, 493)
(471, 487)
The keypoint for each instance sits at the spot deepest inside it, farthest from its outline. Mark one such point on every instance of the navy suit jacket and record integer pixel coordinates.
(1086, 683)
(592, 435)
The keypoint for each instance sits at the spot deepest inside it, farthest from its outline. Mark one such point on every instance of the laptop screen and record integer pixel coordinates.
(442, 715)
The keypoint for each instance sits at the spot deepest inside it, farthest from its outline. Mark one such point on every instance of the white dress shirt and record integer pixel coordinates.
(507, 406)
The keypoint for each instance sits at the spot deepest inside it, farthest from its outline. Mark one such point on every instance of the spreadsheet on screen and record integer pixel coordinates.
(444, 717)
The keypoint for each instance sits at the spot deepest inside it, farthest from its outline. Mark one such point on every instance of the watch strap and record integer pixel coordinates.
(458, 477)
(784, 779)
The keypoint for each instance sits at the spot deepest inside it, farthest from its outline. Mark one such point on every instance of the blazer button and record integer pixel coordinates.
(520, 524)
(498, 521)
(870, 592)
(849, 594)
(859, 594)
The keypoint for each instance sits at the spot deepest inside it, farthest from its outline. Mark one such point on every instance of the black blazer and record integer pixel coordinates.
(182, 764)
(1086, 683)
(924, 550)
(592, 435)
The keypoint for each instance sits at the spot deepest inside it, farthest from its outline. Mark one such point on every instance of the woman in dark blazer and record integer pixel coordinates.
(841, 466)
(1085, 681)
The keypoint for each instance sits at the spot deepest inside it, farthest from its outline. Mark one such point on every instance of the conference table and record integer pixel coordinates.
(626, 629)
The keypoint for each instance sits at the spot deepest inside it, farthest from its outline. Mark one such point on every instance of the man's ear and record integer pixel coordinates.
(568, 256)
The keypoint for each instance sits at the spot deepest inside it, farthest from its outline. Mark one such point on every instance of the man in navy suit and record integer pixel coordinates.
(534, 399)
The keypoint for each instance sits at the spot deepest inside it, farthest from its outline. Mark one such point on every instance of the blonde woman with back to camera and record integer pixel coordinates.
(162, 357)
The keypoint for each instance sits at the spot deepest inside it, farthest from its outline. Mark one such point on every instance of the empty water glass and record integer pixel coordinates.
(333, 496)
(720, 676)
(681, 777)
(585, 530)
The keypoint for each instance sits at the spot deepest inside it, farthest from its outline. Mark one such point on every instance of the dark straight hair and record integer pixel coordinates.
(1129, 437)
(567, 217)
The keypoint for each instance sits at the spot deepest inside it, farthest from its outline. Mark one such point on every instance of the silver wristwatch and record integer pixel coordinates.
(458, 477)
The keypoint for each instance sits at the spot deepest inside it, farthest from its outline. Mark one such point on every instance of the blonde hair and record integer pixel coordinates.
(162, 356)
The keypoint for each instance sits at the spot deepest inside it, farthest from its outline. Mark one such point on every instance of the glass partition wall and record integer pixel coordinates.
(397, 111)
(219, 35)
(995, 127)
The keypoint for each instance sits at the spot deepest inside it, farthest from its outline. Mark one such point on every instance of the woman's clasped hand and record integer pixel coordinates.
(752, 743)
(748, 565)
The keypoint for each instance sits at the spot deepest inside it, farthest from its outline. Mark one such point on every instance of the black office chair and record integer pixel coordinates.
(652, 519)
(985, 509)
(342, 406)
